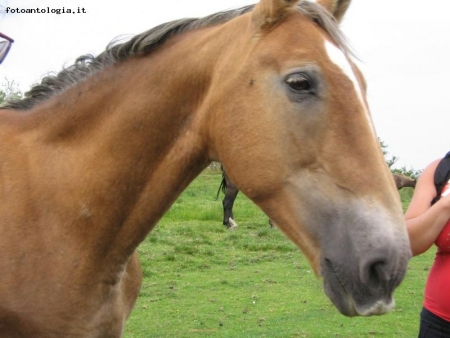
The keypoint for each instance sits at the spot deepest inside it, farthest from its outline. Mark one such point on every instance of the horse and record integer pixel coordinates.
(230, 190)
(402, 181)
(94, 155)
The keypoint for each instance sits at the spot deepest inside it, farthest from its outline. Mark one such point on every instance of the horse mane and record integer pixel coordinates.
(144, 43)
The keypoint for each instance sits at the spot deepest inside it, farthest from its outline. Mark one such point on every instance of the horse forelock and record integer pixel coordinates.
(145, 43)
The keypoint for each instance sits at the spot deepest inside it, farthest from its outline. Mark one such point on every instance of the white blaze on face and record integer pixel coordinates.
(338, 57)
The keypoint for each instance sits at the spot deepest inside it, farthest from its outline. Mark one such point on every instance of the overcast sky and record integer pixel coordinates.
(403, 47)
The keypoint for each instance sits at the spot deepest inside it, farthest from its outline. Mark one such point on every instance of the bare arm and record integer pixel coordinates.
(423, 221)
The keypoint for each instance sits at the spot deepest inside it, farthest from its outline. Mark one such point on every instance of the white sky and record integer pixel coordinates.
(403, 45)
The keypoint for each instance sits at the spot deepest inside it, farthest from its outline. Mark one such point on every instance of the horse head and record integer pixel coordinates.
(292, 98)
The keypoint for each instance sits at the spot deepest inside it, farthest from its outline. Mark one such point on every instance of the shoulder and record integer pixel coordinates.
(428, 172)
(424, 192)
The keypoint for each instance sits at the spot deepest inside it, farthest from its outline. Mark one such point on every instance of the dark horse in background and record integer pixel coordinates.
(230, 190)
(93, 157)
(402, 181)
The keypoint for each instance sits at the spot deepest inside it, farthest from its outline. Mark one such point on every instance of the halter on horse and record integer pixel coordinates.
(94, 156)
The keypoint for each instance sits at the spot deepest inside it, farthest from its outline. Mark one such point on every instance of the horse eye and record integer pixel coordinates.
(299, 82)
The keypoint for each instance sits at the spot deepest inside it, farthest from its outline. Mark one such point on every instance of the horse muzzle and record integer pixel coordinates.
(352, 299)
(364, 266)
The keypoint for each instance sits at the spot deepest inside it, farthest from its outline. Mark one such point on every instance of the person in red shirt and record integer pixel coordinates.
(429, 224)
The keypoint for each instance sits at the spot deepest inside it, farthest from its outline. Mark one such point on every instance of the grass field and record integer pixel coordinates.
(201, 280)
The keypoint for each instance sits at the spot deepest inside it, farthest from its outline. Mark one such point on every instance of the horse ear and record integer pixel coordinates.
(336, 7)
(268, 12)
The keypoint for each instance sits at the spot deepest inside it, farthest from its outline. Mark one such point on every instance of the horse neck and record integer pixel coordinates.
(120, 147)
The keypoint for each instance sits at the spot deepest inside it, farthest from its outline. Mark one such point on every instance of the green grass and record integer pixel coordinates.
(201, 280)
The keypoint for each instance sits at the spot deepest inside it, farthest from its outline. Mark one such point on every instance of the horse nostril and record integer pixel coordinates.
(375, 273)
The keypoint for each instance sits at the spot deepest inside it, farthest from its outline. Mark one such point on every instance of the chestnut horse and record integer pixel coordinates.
(94, 156)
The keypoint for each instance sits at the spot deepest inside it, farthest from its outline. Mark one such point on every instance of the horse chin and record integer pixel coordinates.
(344, 302)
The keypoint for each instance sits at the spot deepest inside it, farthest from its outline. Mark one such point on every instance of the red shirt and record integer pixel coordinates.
(437, 290)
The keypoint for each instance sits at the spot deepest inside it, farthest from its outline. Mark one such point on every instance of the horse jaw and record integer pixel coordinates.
(357, 247)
